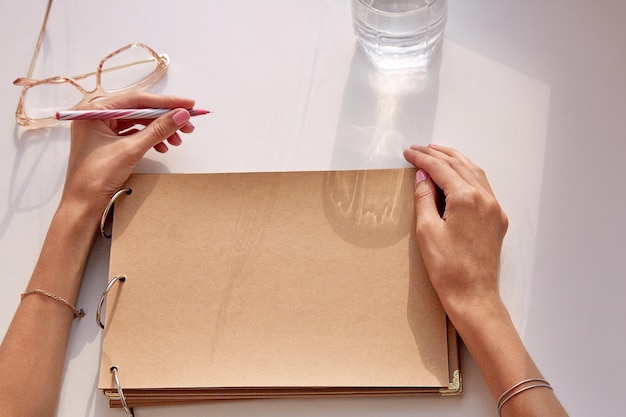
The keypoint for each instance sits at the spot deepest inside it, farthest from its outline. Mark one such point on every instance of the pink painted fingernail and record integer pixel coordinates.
(420, 176)
(181, 117)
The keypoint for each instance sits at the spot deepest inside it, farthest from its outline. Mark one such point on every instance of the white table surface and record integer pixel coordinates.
(532, 91)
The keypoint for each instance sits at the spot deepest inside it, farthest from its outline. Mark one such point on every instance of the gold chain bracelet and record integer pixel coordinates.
(77, 312)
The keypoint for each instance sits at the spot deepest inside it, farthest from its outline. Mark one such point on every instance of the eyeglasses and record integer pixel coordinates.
(132, 67)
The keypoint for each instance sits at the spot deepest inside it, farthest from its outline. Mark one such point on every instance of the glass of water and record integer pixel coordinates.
(400, 34)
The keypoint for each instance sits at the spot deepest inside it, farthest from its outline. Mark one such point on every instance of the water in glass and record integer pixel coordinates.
(399, 34)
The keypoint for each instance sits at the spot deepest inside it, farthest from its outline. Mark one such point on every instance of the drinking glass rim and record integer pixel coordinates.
(395, 14)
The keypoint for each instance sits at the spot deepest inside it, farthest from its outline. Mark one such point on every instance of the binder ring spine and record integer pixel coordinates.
(107, 209)
(120, 278)
(118, 386)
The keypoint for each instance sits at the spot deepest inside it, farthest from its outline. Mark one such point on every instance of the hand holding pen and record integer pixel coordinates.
(109, 149)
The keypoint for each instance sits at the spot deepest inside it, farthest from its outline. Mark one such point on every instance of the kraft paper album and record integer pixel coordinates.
(271, 285)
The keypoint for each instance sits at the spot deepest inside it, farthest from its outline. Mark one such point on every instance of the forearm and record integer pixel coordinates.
(102, 156)
(491, 337)
(33, 350)
(461, 250)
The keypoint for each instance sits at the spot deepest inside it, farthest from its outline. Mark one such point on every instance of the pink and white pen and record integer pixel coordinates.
(119, 114)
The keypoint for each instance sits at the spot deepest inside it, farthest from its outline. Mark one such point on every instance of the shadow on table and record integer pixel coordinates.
(36, 177)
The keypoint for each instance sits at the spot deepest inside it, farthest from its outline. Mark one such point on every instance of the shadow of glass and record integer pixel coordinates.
(383, 113)
(369, 208)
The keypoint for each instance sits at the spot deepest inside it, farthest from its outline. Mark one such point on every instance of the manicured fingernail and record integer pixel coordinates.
(420, 176)
(181, 117)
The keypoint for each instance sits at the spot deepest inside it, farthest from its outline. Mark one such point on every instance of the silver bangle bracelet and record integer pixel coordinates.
(509, 393)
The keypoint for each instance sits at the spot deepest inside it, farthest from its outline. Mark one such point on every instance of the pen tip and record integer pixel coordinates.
(199, 112)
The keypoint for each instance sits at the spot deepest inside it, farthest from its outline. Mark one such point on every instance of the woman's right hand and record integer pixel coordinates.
(461, 246)
(461, 250)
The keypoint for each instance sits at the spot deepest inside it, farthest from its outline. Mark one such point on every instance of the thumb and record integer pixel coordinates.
(425, 200)
(162, 128)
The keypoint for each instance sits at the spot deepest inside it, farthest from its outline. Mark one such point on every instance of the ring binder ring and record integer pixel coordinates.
(105, 213)
(120, 278)
(118, 386)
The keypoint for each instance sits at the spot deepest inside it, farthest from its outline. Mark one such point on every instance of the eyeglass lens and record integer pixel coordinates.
(127, 68)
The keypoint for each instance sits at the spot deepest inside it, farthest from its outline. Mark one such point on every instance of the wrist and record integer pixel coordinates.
(494, 343)
(65, 251)
(474, 316)
(78, 221)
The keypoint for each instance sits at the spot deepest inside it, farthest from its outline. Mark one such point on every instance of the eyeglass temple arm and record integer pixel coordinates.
(115, 68)
(39, 41)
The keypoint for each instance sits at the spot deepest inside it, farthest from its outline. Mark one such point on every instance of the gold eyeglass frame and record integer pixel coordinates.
(22, 119)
